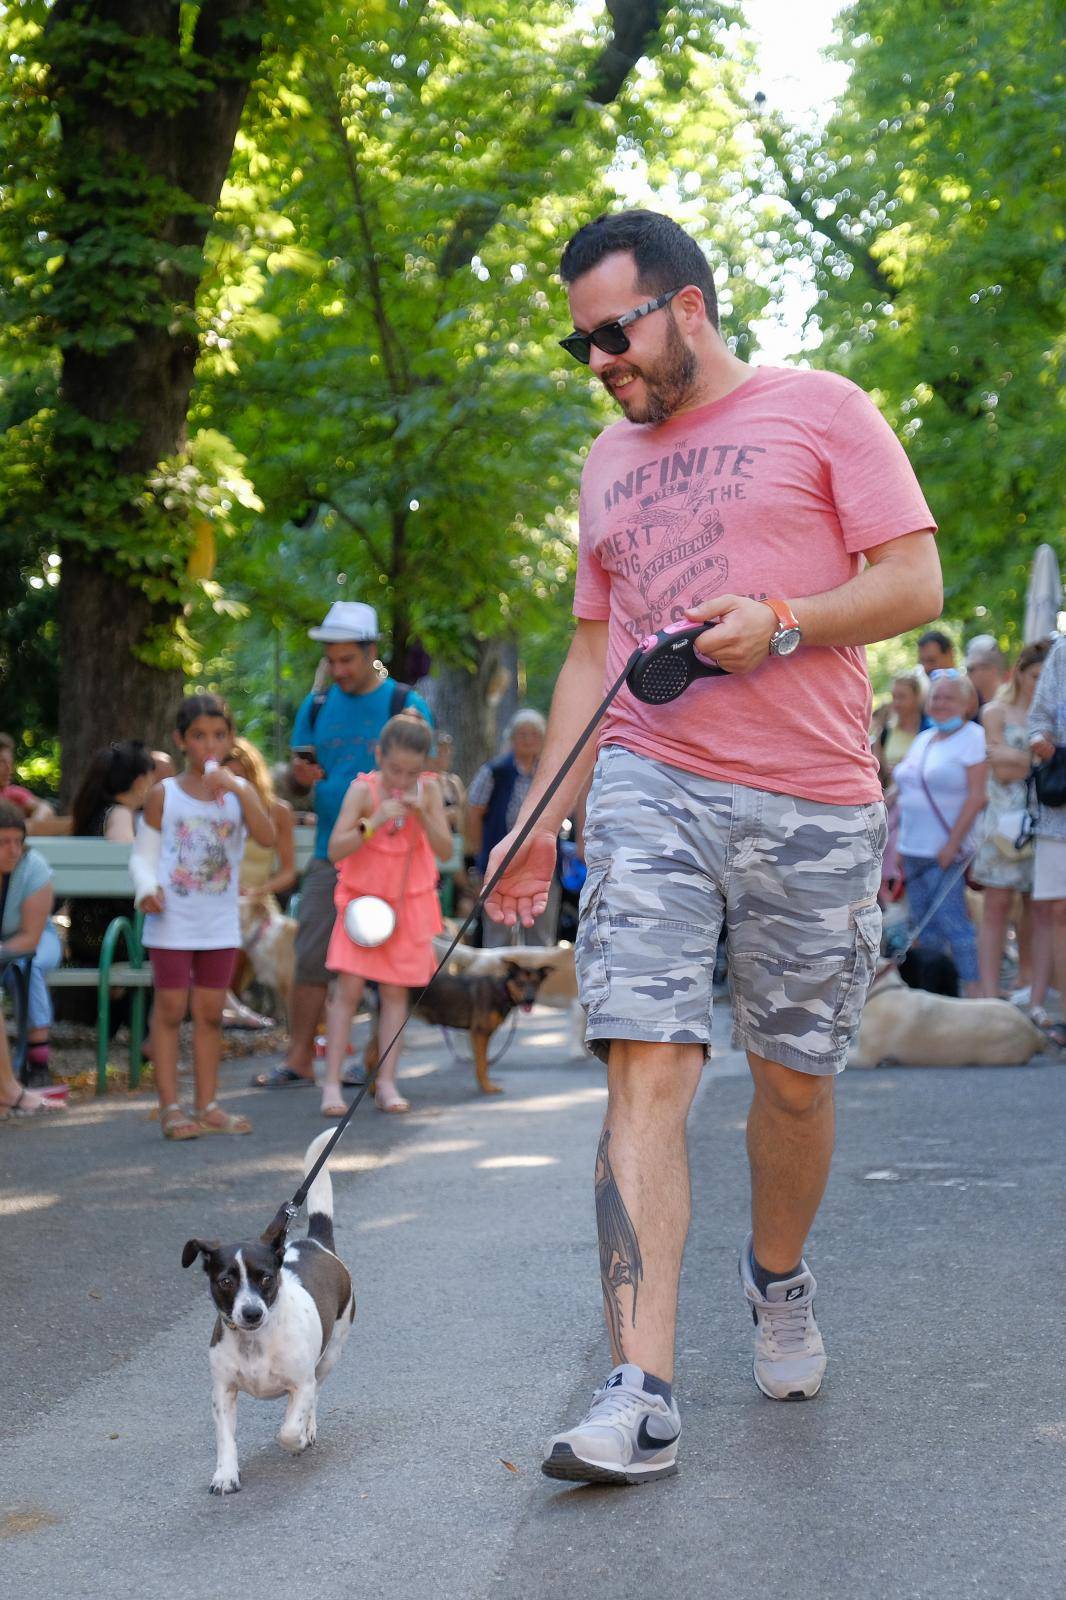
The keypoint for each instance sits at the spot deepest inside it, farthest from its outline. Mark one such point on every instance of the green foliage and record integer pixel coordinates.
(382, 311)
(934, 214)
(99, 262)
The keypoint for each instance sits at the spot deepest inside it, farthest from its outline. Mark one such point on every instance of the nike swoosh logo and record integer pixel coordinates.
(648, 1442)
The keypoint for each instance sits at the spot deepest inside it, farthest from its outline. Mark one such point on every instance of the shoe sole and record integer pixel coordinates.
(793, 1394)
(570, 1468)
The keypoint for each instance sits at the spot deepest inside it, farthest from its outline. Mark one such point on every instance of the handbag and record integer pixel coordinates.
(1013, 834)
(1050, 779)
(370, 920)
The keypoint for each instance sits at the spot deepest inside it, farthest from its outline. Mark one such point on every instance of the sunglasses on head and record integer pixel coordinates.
(610, 337)
(944, 672)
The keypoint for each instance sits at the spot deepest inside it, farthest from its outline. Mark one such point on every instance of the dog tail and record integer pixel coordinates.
(320, 1196)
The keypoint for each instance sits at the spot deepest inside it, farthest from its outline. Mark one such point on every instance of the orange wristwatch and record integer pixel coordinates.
(787, 636)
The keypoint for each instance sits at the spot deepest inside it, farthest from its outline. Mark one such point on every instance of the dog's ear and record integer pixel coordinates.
(274, 1233)
(198, 1247)
(544, 972)
(512, 969)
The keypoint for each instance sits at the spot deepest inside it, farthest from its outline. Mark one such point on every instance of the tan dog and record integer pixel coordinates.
(913, 1028)
(269, 941)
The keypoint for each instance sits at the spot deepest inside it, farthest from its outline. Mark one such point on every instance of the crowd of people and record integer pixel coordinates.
(213, 863)
(957, 748)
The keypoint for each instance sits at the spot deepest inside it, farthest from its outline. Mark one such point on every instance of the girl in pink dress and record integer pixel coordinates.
(389, 836)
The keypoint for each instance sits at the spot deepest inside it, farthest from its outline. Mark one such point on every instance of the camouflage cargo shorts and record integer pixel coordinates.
(670, 856)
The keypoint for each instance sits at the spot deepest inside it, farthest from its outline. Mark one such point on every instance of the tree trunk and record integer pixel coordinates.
(106, 691)
(466, 704)
(122, 147)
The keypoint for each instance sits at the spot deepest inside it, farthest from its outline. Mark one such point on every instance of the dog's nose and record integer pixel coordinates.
(253, 1316)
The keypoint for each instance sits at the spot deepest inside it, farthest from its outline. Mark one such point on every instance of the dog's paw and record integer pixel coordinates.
(224, 1483)
(296, 1441)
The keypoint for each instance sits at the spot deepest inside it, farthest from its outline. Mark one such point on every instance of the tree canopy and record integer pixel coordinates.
(934, 213)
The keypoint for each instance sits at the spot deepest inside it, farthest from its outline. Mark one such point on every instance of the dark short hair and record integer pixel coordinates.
(934, 636)
(11, 817)
(664, 254)
(202, 705)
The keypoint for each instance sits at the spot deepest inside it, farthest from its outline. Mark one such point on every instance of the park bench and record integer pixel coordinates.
(99, 869)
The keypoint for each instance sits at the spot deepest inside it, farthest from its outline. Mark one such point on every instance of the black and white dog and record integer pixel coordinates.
(284, 1313)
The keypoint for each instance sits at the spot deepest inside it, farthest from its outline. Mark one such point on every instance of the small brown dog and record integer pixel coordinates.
(477, 1005)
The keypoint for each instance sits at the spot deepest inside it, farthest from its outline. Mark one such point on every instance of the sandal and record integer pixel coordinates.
(212, 1119)
(391, 1102)
(282, 1078)
(39, 1102)
(333, 1104)
(175, 1123)
(1056, 1033)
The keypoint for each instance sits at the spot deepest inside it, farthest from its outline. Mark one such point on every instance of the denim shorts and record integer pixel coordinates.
(671, 856)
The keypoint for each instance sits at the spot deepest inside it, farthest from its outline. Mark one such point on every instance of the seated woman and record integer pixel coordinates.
(25, 907)
(266, 871)
(106, 806)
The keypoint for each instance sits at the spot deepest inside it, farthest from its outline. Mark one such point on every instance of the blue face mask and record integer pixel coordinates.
(948, 725)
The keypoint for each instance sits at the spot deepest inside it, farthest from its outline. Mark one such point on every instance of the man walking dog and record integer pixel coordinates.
(333, 741)
(777, 505)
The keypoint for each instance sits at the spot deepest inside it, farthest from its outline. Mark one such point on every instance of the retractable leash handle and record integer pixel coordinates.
(660, 668)
(669, 662)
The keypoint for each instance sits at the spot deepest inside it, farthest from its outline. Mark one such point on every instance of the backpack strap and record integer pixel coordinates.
(401, 693)
(318, 700)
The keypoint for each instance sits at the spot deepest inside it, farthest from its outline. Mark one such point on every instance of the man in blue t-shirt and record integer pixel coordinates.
(332, 743)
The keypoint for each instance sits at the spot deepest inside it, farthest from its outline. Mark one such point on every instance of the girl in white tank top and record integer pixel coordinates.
(186, 870)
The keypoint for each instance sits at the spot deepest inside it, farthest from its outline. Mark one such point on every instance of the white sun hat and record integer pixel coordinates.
(345, 622)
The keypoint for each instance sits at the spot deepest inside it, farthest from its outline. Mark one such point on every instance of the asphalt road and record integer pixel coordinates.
(933, 1464)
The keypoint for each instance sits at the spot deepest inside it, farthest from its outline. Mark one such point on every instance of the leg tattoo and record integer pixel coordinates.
(621, 1265)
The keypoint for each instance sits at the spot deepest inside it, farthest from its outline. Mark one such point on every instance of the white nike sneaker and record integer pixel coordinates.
(627, 1436)
(790, 1357)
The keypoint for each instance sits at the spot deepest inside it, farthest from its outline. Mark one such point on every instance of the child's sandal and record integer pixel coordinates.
(177, 1124)
(212, 1119)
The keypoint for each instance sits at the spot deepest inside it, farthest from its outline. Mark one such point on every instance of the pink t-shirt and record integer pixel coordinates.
(774, 490)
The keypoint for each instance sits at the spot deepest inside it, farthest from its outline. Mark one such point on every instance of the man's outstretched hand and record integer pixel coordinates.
(522, 892)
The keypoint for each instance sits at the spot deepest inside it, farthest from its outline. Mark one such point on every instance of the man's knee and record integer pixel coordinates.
(643, 1077)
(795, 1093)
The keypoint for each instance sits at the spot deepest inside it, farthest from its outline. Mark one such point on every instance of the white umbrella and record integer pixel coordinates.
(1043, 598)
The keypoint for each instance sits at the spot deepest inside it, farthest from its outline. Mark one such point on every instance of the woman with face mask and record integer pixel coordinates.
(941, 783)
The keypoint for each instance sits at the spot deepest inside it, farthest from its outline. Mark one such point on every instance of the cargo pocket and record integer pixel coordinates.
(592, 948)
(858, 973)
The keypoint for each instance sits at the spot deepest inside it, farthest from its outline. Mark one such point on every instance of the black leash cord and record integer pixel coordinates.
(288, 1211)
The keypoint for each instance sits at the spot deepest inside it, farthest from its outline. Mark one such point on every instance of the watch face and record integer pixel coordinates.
(786, 641)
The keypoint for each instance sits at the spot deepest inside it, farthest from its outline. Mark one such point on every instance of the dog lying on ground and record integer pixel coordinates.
(913, 1028)
(476, 1003)
(284, 1314)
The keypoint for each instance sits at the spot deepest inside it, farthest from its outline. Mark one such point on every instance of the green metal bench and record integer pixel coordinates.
(100, 869)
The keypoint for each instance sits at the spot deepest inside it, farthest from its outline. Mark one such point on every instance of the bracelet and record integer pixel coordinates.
(366, 828)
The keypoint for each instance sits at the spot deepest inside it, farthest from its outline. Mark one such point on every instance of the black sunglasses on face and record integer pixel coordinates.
(610, 337)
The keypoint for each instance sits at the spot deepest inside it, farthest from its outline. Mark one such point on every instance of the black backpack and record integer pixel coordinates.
(401, 693)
